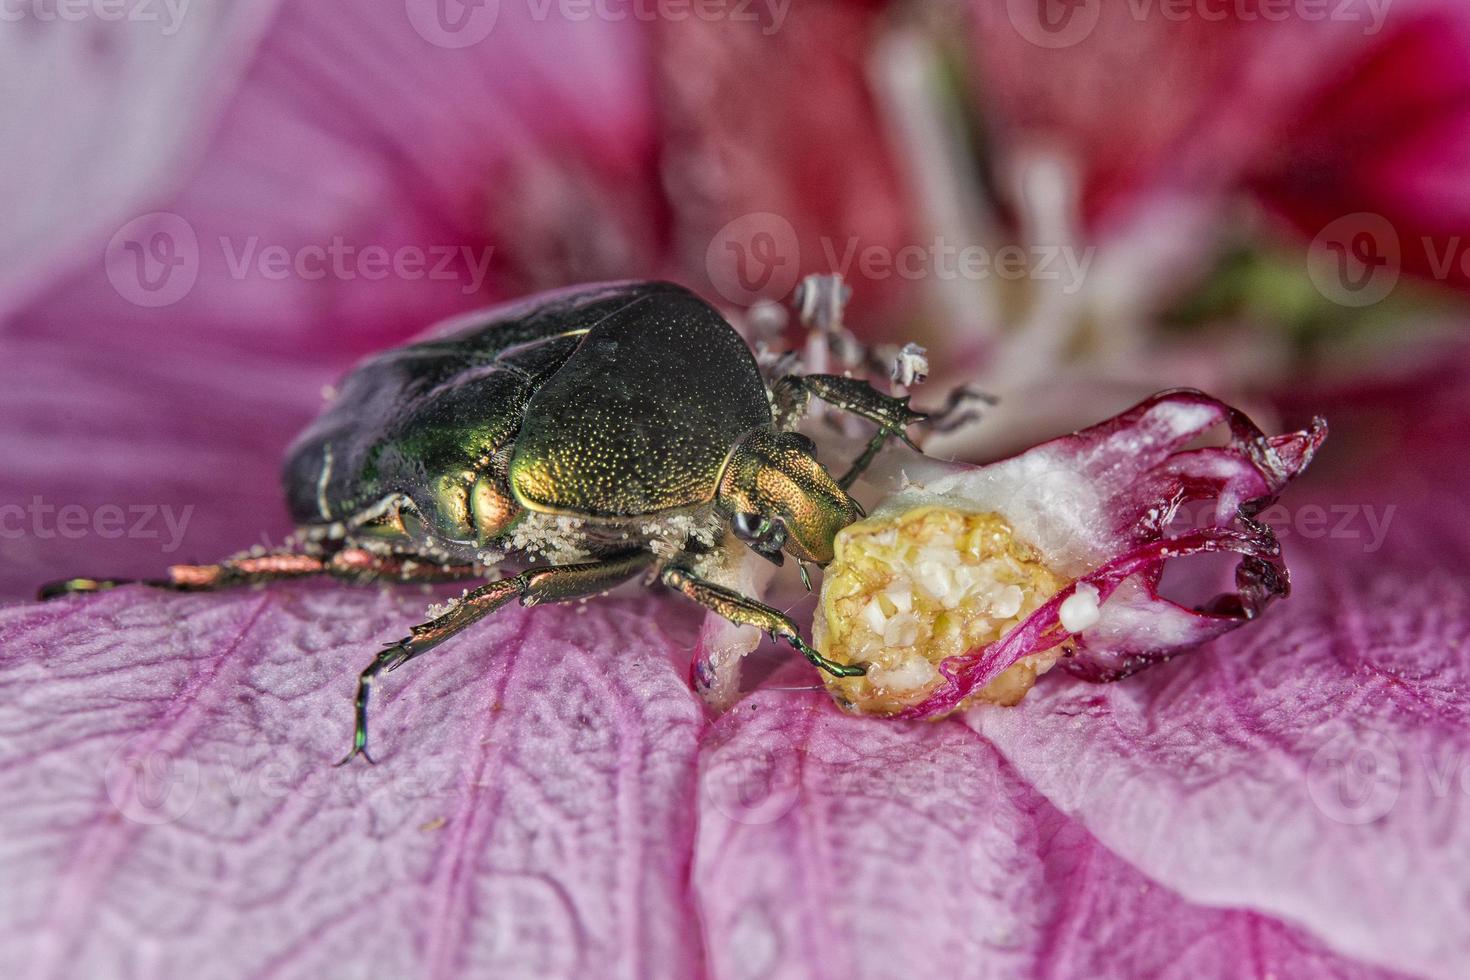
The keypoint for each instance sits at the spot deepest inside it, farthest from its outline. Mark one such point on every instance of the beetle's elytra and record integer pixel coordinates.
(609, 430)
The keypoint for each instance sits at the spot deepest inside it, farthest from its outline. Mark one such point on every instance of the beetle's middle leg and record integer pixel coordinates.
(857, 397)
(748, 612)
(534, 586)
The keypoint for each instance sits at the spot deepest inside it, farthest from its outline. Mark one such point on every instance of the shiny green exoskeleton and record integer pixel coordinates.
(609, 431)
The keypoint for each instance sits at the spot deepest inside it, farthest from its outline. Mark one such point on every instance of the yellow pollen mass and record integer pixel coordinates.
(909, 589)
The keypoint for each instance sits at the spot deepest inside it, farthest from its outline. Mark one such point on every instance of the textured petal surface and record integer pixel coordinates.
(173, 810)
(830, 846)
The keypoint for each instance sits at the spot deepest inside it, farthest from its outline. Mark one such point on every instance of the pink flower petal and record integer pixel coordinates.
(1170, 112)
(1389, 134)
(121, 459)
(1310, 767)
(1145, 103)
(102, 113)
(353, 132)
(779, 162)
(173, 810)
(834, 846)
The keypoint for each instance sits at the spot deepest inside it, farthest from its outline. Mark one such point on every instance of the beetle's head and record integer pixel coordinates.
(780, 499)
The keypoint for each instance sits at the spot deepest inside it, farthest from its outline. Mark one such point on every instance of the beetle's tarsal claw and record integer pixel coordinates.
(394, 655)
(73, 586)
(363, 752)
(830, 666)
(806, 578)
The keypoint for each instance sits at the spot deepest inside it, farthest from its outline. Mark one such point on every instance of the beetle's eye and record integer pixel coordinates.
(749, 526)
(761, 533)
(804, 443)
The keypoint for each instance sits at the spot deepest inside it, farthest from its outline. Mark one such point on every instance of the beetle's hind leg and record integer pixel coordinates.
(351, 564)
(202, 578)
(558, 583)
(748, 612)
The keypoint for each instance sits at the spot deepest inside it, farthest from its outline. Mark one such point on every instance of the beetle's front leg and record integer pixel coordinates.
(964, 405)
(559, 583)
(857, 397)
(748, 612)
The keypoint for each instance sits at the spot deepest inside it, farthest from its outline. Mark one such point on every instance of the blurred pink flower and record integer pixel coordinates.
(1176, 107)
(553, 799)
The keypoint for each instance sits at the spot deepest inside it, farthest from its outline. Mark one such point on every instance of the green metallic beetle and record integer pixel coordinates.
(611, 431)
